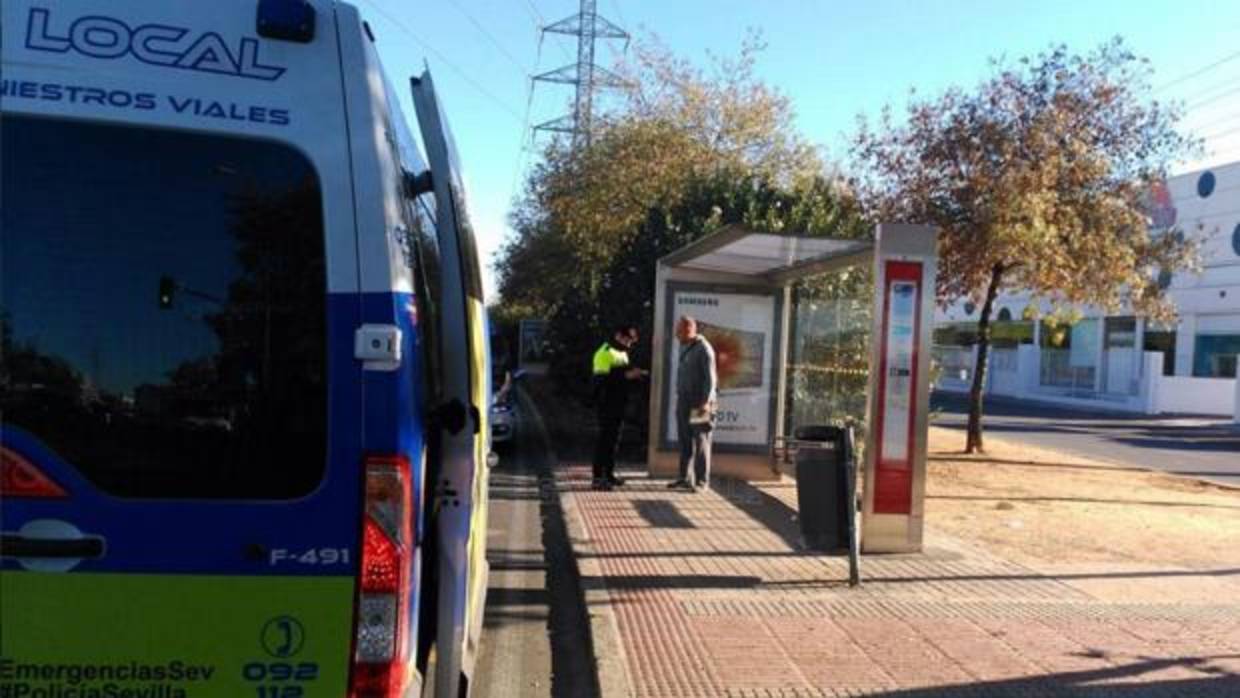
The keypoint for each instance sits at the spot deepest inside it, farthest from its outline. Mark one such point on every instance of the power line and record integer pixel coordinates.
(619, 13)
(1214, 156)
(539, 23)
(483, 30)
(522, 150)
(538, 16)
(463, 75)
(1230, 118)
(1211, 100)
(1230, 82)
(1228, 132)
(1198, 72)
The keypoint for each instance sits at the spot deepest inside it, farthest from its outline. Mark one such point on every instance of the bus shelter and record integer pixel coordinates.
(737, 284)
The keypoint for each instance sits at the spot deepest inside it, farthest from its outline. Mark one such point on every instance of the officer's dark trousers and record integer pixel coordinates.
(607, 444)
(694, 449)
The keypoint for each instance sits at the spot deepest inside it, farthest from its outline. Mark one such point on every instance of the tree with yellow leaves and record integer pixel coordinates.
(1036, 180)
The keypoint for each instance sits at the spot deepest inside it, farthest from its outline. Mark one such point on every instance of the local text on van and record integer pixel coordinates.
(155, 44)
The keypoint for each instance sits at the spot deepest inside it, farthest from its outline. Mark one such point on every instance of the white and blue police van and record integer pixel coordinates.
(244, 373)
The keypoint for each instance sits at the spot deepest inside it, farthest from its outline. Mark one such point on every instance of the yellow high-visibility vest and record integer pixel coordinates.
(608, 357)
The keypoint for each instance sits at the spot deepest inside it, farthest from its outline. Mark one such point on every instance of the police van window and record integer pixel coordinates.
(469, 250)
(426, 289)
(163, 305)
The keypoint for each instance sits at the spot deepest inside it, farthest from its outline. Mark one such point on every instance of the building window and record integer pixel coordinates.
(1008, 334)
(956, 334)
(1214, 356)
(1205, 184)
(1121, 333)
(1162, 341)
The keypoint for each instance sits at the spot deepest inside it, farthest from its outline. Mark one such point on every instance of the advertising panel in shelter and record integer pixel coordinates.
(741, 328)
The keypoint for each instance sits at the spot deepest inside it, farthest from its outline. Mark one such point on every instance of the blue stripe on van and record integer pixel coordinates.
(395, 400)
(376, 412)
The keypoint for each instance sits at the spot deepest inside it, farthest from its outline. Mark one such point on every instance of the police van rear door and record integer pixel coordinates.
(461, 524)
(181, 436)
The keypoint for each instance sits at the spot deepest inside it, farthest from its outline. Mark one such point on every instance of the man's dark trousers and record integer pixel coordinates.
(608, 443)
(694, 449)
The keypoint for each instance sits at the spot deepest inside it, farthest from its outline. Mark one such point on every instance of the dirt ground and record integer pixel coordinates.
(1043, 508)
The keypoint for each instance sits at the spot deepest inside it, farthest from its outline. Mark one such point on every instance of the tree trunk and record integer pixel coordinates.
(973, 443)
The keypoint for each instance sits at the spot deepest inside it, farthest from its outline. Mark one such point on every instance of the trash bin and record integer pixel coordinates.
(822, 486)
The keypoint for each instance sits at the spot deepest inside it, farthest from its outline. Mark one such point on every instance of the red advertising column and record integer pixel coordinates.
(897, 377)
(893, 509)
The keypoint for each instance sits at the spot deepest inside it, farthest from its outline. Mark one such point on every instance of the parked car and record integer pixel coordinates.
(503, 424)
(503, 412)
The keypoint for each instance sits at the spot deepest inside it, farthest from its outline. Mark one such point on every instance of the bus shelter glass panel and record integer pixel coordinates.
(828, 367)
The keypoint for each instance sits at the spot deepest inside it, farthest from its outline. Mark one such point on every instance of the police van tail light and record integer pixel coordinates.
(381, 635)
(21, 478)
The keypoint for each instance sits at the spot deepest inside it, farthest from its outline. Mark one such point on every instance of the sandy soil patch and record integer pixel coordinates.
(1042, 507)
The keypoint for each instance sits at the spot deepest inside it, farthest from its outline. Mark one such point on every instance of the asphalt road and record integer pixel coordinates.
(1201, 447)
(535, 638)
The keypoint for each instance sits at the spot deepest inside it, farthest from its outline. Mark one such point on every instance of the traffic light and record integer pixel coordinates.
(167, 289)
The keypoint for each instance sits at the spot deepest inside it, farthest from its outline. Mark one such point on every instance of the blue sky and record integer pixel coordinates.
(834, 59)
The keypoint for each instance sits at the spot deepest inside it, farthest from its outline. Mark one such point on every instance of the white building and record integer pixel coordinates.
(1124, 362)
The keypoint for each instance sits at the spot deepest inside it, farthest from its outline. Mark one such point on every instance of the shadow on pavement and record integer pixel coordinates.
(698, 553)
(1087, 683)
(1194, 443)
(676, 581)
(1138, 430)
(986, 460)
(574, 669)
(1140, 574)
(763, 508)
(1086, 500)
(661, 514)
(525, 481)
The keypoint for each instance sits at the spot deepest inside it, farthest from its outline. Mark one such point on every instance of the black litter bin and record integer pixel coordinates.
(822, 486)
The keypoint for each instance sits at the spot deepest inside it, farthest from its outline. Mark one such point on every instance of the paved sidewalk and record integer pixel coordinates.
(709, 595)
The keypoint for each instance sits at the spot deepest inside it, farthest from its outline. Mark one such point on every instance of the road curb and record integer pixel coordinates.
(613, 676)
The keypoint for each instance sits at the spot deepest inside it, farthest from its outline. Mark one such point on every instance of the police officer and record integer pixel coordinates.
(612, 374)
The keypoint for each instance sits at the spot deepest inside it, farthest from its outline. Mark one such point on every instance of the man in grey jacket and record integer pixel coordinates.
(696, 385)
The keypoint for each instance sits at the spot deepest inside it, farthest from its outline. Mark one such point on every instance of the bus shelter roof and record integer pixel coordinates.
(780, 259)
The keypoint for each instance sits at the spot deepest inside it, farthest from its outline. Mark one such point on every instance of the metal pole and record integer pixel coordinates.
(850, 474)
